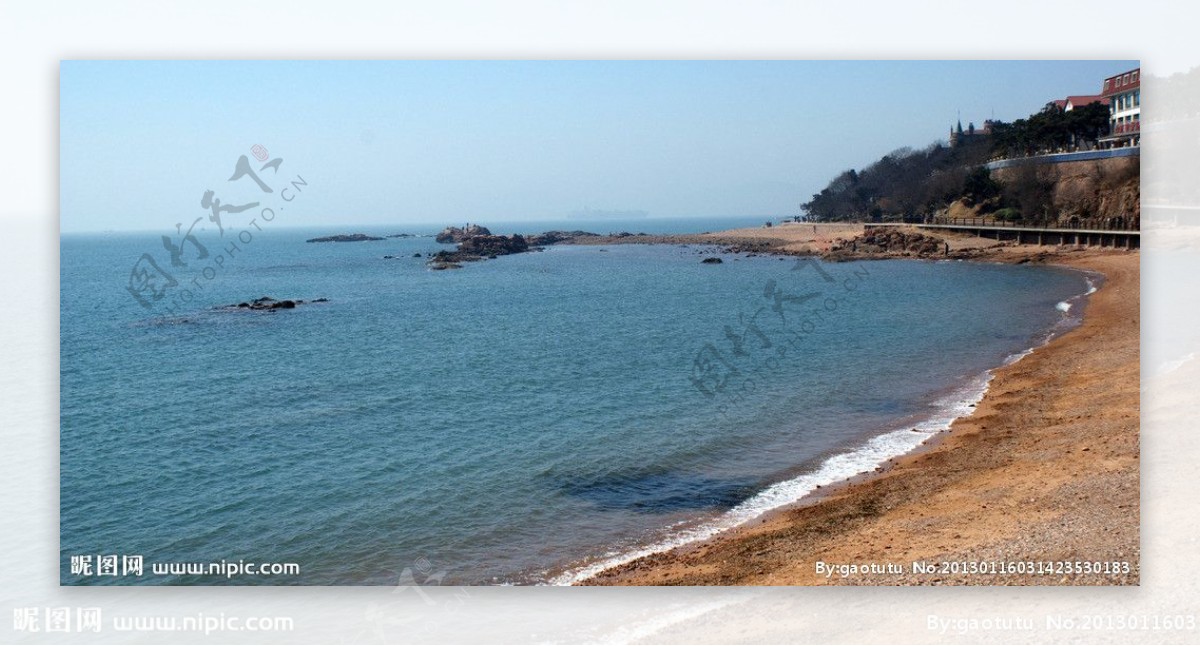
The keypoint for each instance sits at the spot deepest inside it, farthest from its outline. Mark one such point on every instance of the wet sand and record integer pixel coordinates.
(1044, 472)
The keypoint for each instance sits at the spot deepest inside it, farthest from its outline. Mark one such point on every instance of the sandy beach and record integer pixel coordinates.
(1045, 472)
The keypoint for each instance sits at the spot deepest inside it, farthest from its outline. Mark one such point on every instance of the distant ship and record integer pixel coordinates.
(596, 214)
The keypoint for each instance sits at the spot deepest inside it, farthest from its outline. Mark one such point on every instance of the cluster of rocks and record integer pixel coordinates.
(456, 234)
(589, 238)
(269, 303)
(490, 246)
(476, 242)
(558, 237)
(480, 247)
(890, 241)
(352, 237)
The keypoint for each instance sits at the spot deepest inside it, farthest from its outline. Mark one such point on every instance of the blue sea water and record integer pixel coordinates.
(526, 419)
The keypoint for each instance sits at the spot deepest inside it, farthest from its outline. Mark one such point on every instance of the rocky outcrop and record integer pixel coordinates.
(269, 303)
(895, 241)
(480, 247)
(1098, 194)
(477, 243)
(559, 237)
(455, 234)
(711, 261)
(489, 245)
(352, 237)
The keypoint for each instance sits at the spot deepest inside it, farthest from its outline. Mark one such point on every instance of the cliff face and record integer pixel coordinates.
(1098, 193)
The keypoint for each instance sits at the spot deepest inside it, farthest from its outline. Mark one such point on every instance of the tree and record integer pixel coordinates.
(1030, 192)
(1050, 129)
(979, 187)
(902, 183)
(1088, 123)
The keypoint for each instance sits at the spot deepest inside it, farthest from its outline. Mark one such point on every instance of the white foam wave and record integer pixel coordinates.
(864, 459)
(874, 453)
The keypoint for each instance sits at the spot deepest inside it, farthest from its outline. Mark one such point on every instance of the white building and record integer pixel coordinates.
(1124, 95)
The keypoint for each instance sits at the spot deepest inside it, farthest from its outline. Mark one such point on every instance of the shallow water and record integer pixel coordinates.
(512, 421)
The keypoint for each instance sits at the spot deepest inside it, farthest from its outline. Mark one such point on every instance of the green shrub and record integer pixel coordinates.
(1008, 214)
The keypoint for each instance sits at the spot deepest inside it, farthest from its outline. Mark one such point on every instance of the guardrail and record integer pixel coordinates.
(1061, 158)
(1113, 238)
(1030, 224)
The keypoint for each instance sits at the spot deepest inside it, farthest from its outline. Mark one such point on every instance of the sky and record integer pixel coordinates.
(402, 142)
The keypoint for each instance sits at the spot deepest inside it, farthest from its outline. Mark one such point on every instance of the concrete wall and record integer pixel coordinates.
(1060, 158)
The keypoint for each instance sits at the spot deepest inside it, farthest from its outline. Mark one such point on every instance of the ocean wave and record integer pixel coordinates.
(874, 453)
(866, 458)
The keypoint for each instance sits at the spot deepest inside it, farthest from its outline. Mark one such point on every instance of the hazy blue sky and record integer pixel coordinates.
(429, 142)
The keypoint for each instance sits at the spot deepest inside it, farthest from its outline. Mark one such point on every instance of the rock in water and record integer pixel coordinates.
(455, 234)
(269, 303)
(556, 237)
(352, 237)
(489, 245)
(480, 247)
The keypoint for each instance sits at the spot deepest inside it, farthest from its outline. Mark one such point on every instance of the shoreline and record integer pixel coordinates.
(965, 397)
(877, 517)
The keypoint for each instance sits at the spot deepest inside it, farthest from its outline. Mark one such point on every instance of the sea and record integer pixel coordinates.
(529, 419)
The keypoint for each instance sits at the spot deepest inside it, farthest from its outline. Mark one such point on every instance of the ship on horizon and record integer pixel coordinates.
(588, 213)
